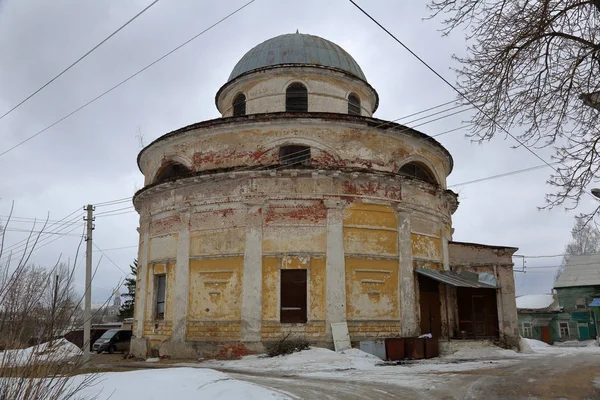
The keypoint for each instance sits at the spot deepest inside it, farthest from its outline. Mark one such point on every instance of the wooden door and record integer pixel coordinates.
(479, 316)
(429, 299)
(546, 334)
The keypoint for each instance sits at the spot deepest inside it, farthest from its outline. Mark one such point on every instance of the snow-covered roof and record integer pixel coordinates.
(580, 271)
(547, 302)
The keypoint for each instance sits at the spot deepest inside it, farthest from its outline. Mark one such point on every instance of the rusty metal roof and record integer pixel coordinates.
(453, 279)
(297, 48)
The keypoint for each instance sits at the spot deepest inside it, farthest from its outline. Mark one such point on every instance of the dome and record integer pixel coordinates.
(297, 48)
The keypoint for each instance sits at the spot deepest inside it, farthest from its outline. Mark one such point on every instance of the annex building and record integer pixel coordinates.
(297, 209)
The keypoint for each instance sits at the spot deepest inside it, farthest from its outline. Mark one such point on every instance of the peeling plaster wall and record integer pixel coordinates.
(328, 91)
(334, 143)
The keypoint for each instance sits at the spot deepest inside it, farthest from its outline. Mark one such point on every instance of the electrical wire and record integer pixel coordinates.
(78, 60)
(125, 80)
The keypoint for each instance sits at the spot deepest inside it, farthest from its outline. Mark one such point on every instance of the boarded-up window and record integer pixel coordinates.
(161, 288)
(416, 171)
(239, 105)
(353, 105)
(296, 98)
(294, 155)
(293, 295)
(580, 303)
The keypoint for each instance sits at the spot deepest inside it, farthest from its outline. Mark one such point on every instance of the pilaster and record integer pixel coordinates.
(251, 324)
(142, 286)
(406, 299)
(182, 273)
(335, 263)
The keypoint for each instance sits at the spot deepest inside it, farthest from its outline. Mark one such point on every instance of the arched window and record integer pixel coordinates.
(353, 105)
(239, 105)
(417, 171)
(296, 98)
(294, 155)
(172, 171)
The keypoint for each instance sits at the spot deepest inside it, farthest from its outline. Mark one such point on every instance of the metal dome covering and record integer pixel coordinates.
(297, 48)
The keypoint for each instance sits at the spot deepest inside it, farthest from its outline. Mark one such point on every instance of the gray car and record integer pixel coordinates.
(113, 340)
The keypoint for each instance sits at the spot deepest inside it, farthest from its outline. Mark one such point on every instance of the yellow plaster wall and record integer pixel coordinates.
(294, 239)
(271, 289)
(371, 289)
(370, 229)
(163, 329)
(426, 247)
(216, 242)
(162, 247)
(215, 287)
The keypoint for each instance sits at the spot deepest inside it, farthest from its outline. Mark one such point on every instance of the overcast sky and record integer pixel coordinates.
(91, 156)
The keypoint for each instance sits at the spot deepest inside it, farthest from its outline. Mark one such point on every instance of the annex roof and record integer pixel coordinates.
(580, 271)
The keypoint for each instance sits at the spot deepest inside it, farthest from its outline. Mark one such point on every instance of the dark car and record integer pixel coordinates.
(113, 340)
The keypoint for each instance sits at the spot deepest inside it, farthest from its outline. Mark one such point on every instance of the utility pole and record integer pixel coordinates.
(87, 313)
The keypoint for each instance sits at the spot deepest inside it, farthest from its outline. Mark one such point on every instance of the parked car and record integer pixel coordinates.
(113, 340)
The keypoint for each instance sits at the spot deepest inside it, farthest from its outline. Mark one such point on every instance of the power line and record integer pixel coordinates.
(78, 60)
(452, 86)
(519, 171)
(125, 80)
(110, 211)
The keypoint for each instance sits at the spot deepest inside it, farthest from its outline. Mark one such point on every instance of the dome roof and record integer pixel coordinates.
(297, 48)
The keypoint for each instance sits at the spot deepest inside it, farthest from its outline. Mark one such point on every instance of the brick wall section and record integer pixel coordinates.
(163, 331)
(372, 329)
(274, 330)
(213, 330)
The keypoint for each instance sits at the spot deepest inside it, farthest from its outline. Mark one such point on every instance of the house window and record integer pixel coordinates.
(161, 288)
(416, 171)
(296, 98)
(294, 155)
(353, 105)
(239, 105)
(564, 329)
(293, 296)
(580, 303)
(527, 330)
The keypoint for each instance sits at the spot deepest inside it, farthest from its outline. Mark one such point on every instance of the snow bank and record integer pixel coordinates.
(61, 350)
(535, 301)
(313, 359)
(571, 348)
(173, 383)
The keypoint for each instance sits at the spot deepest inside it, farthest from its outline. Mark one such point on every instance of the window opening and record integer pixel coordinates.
(161, 287)
(239, 105)
(414, 170)
(580, 303)
(353, 105)
(294, 155)
(293, 296)
(296, 98)
(172, 171)
(527, 331)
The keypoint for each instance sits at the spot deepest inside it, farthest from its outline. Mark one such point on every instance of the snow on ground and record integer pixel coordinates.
(535, 301)
(61, 351)
(562, 349)
(173, 383)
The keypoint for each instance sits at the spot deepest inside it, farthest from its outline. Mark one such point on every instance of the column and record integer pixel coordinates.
(406, 300)
(251, 325)
(142, 272)
(182, 274)
(445, 252)
(335, 264)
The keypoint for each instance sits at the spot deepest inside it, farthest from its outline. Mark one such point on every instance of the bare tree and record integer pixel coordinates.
(585, 240)
(529, 66)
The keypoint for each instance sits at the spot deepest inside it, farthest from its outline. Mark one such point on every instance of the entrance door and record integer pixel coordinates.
(479, 316)
(429, 299)
(546, 334)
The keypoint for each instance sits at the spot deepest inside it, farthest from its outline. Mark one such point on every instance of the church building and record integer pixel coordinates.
(298, 209)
